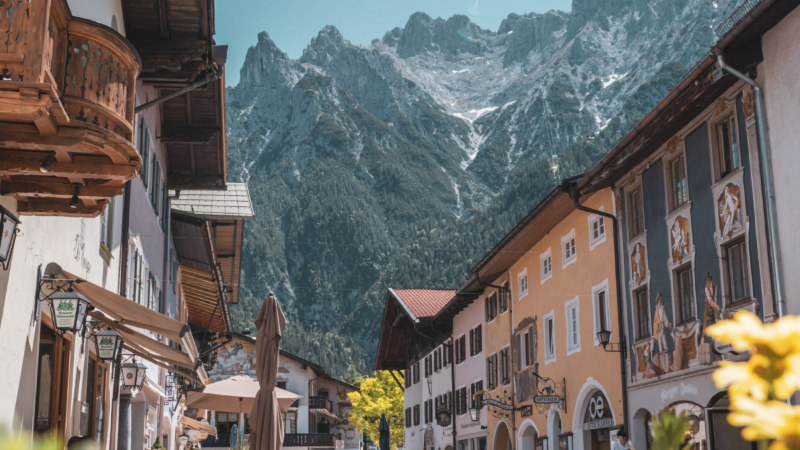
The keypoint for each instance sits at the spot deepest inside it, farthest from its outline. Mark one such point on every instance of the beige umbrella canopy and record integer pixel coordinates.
(225, 395)
(266, 428)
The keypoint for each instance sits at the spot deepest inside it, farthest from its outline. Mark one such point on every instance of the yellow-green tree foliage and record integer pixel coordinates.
(379, 395)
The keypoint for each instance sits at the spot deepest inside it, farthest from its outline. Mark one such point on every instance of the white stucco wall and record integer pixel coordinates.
(780, 76)
(74, 244)
(103, 11)
(471, 369)
(413, 437)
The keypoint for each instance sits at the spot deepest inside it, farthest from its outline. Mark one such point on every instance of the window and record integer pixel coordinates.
(738, 280)
(226, 421)
(408, 418)
(601, 309)
(549, 338)
(416, 373)
(491, 371)
(685, 309)
(107, 232)
(282, 384)
(477, 386)
(505, 365)
(461, 401)
(525, 356)
(99, 409)
(642, 314)
(522, 279)
(461, 350)
(144, 150)
(491, 306)
(637, 212)
(289, 420)
(729, 159)
(573, 326)
(568, 249)
(428, 411)
(546, 262)
(416, 414)
(597, 231)
(406, 378)
(427, 366)
(504, 294)
(679, 186)
(476, 340)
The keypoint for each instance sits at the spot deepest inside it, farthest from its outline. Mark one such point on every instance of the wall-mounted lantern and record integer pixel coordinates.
(133, 375)
(8, 234)
(108, 344)
(68, 311)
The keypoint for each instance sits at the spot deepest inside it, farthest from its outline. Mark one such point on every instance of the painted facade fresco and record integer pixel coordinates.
(729, 211)
(680, 239)
(639, 264)
(527, 381)
(237, 357)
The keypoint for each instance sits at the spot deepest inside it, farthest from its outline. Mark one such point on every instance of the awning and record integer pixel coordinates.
(122, 314)
(202, 427)
(324, 412)
(234, 393)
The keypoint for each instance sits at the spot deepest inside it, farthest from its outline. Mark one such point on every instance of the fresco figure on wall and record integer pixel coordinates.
(729, 210)
(680, 239)
(660, 326)
(638, 264)
(712, 310)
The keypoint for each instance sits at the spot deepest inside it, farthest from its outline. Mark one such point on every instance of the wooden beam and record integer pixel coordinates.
(87, 169)
(188, 135)
(399, 384)
(163, 30)
(182, 181)
(59, 190)
(49, 208)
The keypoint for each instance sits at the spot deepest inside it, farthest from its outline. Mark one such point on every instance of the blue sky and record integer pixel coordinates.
(292, 23)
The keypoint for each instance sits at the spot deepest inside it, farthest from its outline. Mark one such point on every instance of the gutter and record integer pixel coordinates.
(766, 174)
(575, 195)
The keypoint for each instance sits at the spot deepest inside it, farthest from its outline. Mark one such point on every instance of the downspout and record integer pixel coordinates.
(452, 360)
(213, 76)
(123, 250)
(573, 193)
(766, 174)
(511, 353)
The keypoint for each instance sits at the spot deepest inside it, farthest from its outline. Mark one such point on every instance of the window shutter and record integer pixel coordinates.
(472, 342)
(479, 339)
(463, 348)
(518, 351)
(486, 303)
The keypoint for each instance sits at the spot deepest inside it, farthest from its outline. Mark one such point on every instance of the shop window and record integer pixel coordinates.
(679, 187)
(685, 295)
(728, 146)
(642, 313)
(738, 279)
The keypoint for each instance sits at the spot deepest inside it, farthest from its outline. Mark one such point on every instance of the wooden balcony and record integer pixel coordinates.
(309, 440)
(320, 403)
(66, 109)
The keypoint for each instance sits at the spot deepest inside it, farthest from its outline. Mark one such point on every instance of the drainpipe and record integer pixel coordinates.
(123, 248)
(511, 361)
(213, 76)
(573, 193)
(451, 349)
(766, 174)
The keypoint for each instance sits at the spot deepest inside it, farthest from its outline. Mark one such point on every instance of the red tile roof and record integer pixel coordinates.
(424, 302)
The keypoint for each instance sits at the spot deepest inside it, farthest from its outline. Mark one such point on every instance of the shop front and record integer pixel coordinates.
(695, 395)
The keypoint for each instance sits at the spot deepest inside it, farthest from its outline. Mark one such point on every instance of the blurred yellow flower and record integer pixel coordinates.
(767, 420)
(746, 333)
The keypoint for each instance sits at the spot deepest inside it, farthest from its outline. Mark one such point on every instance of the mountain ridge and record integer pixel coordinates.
(400, 163)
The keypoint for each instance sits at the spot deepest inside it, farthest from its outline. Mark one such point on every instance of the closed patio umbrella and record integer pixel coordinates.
(385, 437)
(234, 440)
(266, 427)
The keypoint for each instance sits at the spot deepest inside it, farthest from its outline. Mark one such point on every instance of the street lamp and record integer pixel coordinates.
(184, 438)
(133, 375)
(68, 310)
(604, 336)
(108, 344)
(8, 234)
(473, 412)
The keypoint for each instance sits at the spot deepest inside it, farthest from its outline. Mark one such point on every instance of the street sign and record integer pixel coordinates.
(339, 444)
(546, 399)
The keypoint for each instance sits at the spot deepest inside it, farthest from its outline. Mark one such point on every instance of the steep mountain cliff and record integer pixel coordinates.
(402, 162)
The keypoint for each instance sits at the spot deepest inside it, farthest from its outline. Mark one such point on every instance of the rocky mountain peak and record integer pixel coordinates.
(265, 63)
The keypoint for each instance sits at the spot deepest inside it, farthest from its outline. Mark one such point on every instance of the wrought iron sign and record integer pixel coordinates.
(68, 309)
(500, 405)
(549, 392)
(175, 387)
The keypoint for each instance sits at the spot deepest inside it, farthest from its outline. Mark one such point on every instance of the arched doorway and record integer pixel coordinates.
(554, 428)
(528, 436)
(640, 429)
(502, 437)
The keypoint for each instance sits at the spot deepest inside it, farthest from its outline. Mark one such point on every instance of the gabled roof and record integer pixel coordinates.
(233, 203)
(422, 303)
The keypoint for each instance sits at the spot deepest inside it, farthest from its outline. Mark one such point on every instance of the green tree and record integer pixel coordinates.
(379, 395)
(353, 376)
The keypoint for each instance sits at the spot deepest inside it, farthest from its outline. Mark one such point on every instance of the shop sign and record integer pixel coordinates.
(65, 313)
(444, 417)
(497, 404)
(546, 399)
(598, 415)
(526, 410)
(723, 348)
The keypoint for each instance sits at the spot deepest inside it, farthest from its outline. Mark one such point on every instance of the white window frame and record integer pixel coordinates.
(546, 256)
(549, 318)
(523, 275)
(602, 287)
(594, 218)
(576, 328)
(564, 240)
(524, 342)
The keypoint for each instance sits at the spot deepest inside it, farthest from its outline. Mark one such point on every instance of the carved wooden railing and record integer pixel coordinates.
(67, 89)
(325, 403)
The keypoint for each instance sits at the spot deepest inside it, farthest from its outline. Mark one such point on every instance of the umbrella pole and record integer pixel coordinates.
(241, 424)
